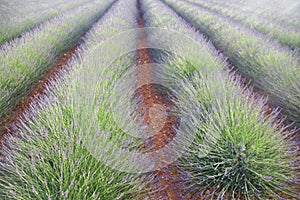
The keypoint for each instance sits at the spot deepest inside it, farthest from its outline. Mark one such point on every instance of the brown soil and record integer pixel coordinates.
(156, 108)
(39, 90)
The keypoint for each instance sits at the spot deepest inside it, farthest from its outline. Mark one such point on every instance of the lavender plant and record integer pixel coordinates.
(50, 161)
(237, 152)
(282, 12)
(23, 60)
(231, 148)
(63, 149)
(273, 70)
(285, 33)
(17, 17)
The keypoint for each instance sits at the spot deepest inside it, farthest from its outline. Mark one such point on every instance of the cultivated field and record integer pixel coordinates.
(149, 99)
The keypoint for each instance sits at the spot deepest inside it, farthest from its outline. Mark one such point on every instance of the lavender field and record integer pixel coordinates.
(149, 99)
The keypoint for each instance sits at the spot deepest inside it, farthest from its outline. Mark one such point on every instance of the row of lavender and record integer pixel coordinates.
(229, 148)
(81, 140)
(263, 19)
(24, 59)
(281, 11)
(20, 16)
(273, 70)
(63, 149)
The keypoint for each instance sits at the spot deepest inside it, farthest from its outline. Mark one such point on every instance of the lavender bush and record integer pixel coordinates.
(262, 19)
(231, 149)
(23, 60)
(20, 16)
(272, 69)
(53, 157)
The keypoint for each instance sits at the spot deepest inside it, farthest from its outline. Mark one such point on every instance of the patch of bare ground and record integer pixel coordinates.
(157, 115)
(32, 97)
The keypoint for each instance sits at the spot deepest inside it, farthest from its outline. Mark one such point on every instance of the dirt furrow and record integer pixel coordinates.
(156, 108)
(37, 92)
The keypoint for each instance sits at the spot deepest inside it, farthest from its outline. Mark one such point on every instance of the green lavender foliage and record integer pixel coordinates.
(231, 148)
(261, 18)
(237, 152)
(272, 69)
(281, 12)
(24, 60)
(50, 161)
(53, 158)
(20, 16)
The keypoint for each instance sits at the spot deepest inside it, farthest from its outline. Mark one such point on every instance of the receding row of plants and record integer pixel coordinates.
(272, 69)
(7, 6)
(281, 11)
(66, 146)
(228, 147)
(25, 59)
(286, 34)
(17, 17)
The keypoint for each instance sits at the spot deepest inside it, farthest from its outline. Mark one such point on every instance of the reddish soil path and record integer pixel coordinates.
(156, 108)
(38, 91)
